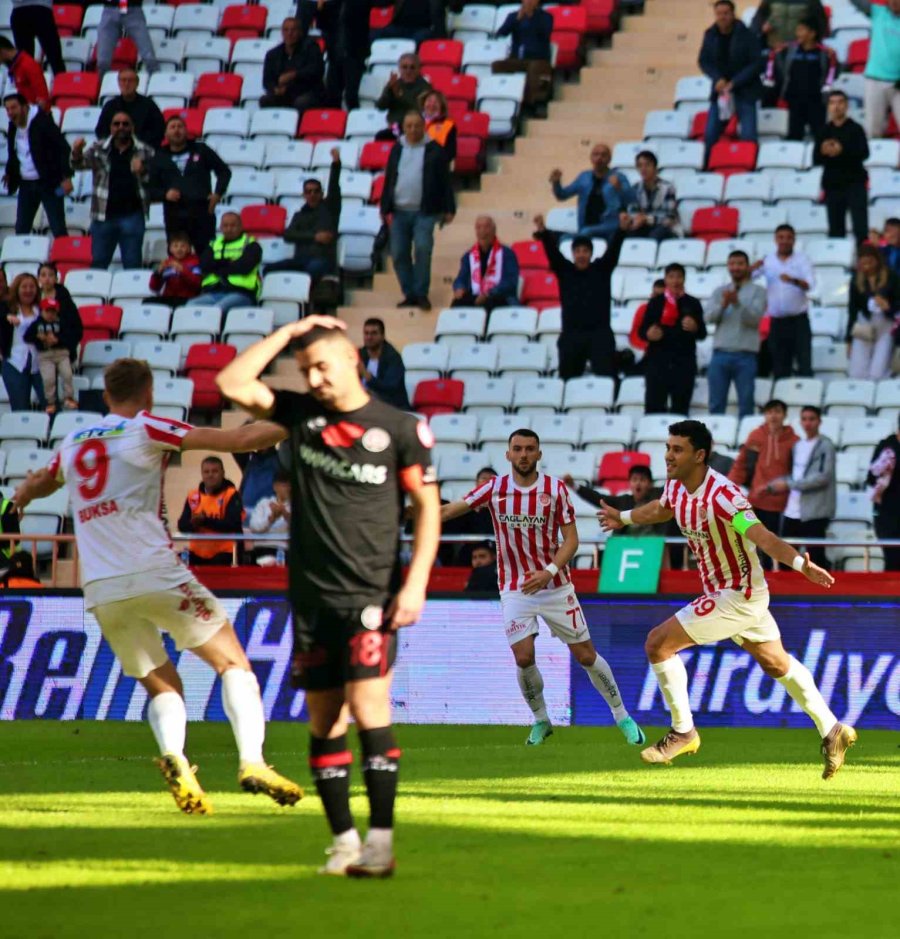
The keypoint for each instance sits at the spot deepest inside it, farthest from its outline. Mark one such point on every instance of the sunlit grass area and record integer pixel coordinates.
(573, 838)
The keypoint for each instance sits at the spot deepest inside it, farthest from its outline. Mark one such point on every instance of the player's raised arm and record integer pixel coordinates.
(239, 380)
(454, 510)
(244, 439)
(37, 485)
(785, 554)
(407, 605)
(653, 513)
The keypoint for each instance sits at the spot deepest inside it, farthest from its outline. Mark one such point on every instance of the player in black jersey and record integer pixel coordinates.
(352, 458)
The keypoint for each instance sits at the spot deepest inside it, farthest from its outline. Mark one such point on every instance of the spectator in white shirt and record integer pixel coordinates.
(272, 516)
(789, 278)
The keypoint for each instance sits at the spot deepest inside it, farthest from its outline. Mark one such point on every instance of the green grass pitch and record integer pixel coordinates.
(575, 838)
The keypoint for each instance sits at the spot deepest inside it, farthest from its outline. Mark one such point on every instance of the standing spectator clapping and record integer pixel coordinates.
(873, 311)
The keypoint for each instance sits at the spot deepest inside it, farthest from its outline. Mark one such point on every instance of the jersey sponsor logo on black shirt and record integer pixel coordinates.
(366, 473)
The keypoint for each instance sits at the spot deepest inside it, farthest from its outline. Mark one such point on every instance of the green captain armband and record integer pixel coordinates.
(744, 521)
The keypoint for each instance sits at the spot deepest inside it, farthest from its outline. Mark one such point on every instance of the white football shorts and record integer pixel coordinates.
(558, 608)
(728, 614)
(189, 613)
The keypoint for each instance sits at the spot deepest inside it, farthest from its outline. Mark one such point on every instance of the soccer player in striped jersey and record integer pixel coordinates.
(529, 510)
(723, 533)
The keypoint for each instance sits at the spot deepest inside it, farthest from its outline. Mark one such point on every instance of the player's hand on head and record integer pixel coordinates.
(818, 575)
(406, 608)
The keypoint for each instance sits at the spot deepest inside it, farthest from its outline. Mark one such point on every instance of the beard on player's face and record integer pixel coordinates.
(525, 464)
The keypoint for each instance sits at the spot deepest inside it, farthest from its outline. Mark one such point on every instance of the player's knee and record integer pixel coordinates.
(775, 667)
(585, 657)
(653, 644)
(524, 657)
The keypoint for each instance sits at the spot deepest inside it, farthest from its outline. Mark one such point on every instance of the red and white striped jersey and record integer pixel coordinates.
(114, 473)
(726, 559)
(526, 525)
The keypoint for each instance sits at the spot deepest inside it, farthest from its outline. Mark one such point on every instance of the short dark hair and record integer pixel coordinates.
(282, 476)
(695, 431)
(891, 221)
(582, 241)
(774, 403)
(785, 227)
(316, 334)
(812, 407)
(313, 179)
(50, 265)
(16, 96)
(739, 254)
(837, 93)
(647, 155)
(724, 3)
(486, 469)
(175, 117)
(640, 470)
(213, 459)
(659, 282)
(484, 545)
(810, 23)
(5, 44)
(523, 432)
(178, 236)
(675, 268)
(375, 321)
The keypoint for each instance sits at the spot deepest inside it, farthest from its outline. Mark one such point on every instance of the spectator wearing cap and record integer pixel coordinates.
(54, 338)
(654, 213)
(488, 272)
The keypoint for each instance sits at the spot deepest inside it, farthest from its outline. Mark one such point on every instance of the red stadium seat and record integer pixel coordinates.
(377, 189)
(207, 396)
(103, 320)
(456, 108)
(474, 124)
(571, 19)
(125, 54)
(457, 88)
(569, 51)
(540, 289)
(264, 220)
(858, 55)
(71, 252)
(68, 17)
(618, 465)
(441, 52)
(218, 89)
(75, 89)
(437, 73)
(192, 117)
(698, 127)
(471, 156)
(249, 20)
(379, 17)
(209, 356)
(729, 157)
(531, 255)
(374, 156)
(326, 124)
(713, 224)
(602, 16)
(438, 396)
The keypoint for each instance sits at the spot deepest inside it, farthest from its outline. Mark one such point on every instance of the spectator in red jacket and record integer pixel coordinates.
(177, 278)
(26, 73)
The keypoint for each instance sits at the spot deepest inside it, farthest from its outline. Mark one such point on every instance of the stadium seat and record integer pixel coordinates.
(24, 248)
(539, 289)
(691, 252)
(532, 256)
(615, 466)
(512, 321)
(455, 428)
(22, 460)
(702, 186)
(68, 17)
(95, 356)
(23, 429)
(102, 321)
(263, 220)
(275, 124)
(559, 430)
(323, 124)
(149, 320)
(588, 395)
(712, 224)
(468, 361)
(733, 156)
(496, 429)
(130, 285)
(74, 90)
(527, 357)
(88, 286)
(461, 323)
(425, 356)
(172, 396)
(674, 124)
(652, 428)
(485, 395)
(439, 396)
(160, 356)
(457, 88)
(204, 54)
(67, 421)
(748, 186)
(241, 322)
(70, 251)
(538, 394)
(724, 428)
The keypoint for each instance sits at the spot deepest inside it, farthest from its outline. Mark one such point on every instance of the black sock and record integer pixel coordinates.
(381, 760)
(329, 761)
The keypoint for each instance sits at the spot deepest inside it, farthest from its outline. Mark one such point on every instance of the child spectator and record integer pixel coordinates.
(52, 289)
(177, 278)
(53, 338)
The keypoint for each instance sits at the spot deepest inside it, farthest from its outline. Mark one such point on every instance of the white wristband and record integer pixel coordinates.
(625, 517)
(552, 569)
(798, 563)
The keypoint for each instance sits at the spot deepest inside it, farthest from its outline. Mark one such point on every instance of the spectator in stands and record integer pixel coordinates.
(19, 366)
(642, 491)
(213, 508)
(810, 485)
(327, 16)
(258, 471)
(20, 573)
(804, 72)
(483, 578)
(26, 74)
(383, 371)
(124, 18)
(293, 71)
(230, 268)
(585, 294)
(736, 310)
(120, 200)
(37, 165)
(473, 523)
(634, 336)
(655, 211)
(775, 21)
(52, 289)
(672, 327)
(33, 19)
(272, 516)
(177, 276)
(146, 117)
(764, 458)
(873, 311)
(417, 195)
(313, 229)
(890, 243)
(417, 20)
(789, 278)
(402, 92)
(883, 482)
(346, 71)
(180, 178)
(488, 272)
(841, 149)
(53, 338)
(529, 28)
(9, 525)
(438, 124)
(882, 89)
(730, 58)
(603, 194)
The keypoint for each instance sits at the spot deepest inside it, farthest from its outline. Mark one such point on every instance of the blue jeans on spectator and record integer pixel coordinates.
(225, 300)
(746, 115)
(126, 231)
(725, 367)
(315, 267)
(18, 387)
(412, 231)
(32, 194)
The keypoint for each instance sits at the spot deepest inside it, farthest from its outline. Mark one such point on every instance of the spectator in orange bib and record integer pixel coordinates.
(215, 507)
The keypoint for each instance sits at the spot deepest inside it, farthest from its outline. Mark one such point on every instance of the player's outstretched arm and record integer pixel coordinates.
(785, 554)
(239, 380)
(37, 485)
(244, 439)
(406, 607)
(653, 513)
(454, 510)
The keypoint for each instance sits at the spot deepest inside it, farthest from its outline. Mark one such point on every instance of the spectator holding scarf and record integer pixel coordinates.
(488, 272)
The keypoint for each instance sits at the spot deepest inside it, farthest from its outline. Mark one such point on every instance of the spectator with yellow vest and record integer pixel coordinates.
(9, 525)
(230, 268)
(214, 508)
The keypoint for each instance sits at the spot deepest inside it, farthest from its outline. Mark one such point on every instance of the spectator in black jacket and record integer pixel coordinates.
(730, 58)
(55, 340)
(483, 578)
(383, 371)
(529, 27)
(672, 326)
(293, 71)
(180, 179)
(147, 118)
(402, 93)
(804, 72)
(883, 482)
(416, 19)
(842, 149)
(585, 299)
(43, 176)
(640, 482)
(775, 23)
(417, 195)
(346, 68)
(313, 229)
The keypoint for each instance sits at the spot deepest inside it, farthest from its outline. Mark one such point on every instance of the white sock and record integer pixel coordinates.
(168, 721)
(531, 684)
(349, 837)
(801, 686)
(601, 677)
(673, 682)
(243, 705)
(381, 838)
